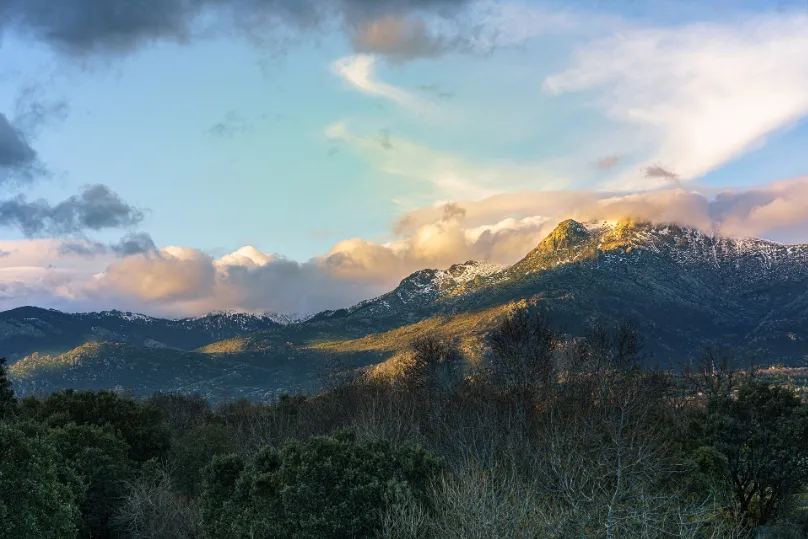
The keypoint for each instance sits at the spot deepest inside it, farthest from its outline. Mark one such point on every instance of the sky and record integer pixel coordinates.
(175, 157)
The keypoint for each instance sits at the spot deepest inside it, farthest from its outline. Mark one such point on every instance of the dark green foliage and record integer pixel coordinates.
(8, 402)
(193, 451)
(37, 494)
(763, 436)
(139, 424)
(326, 487)
(100, 458)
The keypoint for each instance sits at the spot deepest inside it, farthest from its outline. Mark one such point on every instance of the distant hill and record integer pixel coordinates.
(26, 330)
(682, 287)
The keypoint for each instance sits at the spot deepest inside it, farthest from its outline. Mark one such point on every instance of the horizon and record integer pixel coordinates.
(232, 158)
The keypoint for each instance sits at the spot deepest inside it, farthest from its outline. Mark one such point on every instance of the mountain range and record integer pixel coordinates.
(682, 287)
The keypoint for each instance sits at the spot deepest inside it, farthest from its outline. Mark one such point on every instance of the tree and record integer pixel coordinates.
(192, 452)
(140, 425)
(436, 363)
(326, 487)
(151, 508)
(100, 459)
(715, 373)
(763, 435)
(37, 496)
(522, 351)
(8, 402)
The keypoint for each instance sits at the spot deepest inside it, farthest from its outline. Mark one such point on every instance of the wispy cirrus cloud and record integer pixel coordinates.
(360, 72)
(702, 93)
(442, 175)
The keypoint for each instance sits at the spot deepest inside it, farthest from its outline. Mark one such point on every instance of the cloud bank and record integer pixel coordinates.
(178, 281)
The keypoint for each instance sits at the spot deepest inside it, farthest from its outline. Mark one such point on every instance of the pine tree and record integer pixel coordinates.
(8, 402)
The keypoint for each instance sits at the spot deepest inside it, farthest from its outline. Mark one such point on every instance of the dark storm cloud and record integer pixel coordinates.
(95, 208)
(82, 27)
(15, 151)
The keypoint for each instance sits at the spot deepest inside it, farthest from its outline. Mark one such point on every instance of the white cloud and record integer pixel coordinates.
(503, 228)
(702, 93)
(446, 175)
(360, 72)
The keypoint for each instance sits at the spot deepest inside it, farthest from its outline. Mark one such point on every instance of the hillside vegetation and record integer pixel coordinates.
(545, 436)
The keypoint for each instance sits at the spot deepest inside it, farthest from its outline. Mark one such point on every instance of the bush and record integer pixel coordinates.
(325, 487)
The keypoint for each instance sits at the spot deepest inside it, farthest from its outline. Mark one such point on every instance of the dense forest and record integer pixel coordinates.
(545, 437)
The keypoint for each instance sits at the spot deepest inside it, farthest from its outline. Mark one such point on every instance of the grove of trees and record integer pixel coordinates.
(547, 437)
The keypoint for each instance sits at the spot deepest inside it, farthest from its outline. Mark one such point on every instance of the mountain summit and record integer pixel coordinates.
(681, 286)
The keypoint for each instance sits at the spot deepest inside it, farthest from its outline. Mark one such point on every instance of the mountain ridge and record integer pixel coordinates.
(681, 285)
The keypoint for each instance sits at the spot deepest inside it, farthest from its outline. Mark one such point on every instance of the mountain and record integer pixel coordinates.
(26, 330)
(681, 287)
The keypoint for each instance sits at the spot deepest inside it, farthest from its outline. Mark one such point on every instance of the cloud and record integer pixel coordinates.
(434, 174)
(609, 162)
(88, 249)
(179, 281)
(658, 171)
(95, 208)
(702, 93)
(359, 71)
(131, 244)
(401, 37)
(170, 274)
(16, 154)
(87, 27)
(135, 243)
(232, 124)
(18, 160)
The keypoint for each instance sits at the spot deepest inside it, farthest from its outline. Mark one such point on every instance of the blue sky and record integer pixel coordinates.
(335, 136)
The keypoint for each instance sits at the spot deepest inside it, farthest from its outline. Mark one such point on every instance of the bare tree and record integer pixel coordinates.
(715, 373)
(522, 351)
